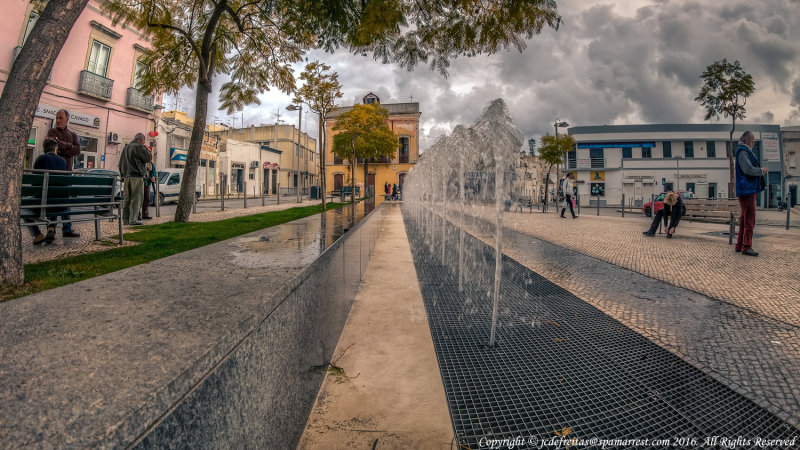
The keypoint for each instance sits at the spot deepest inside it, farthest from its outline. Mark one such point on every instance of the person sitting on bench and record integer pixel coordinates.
(674, 209)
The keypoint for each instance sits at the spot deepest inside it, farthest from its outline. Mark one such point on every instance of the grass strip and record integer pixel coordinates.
(156, 242)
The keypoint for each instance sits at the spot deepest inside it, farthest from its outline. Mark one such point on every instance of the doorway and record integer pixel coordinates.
(338, 181)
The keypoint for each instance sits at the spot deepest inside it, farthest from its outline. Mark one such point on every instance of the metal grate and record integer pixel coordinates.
(561, 363)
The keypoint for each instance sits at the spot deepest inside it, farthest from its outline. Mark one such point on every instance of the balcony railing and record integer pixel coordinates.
(137, 100)
(95, 85)
(586, 163)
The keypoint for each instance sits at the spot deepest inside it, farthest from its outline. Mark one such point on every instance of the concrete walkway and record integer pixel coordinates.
(389, 391)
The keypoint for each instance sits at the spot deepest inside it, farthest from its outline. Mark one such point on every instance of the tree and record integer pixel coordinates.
(552, 152)
(363, 133)
(18, 102)
(195, 40)
(320, 91)
(254, 42)
(726, 87)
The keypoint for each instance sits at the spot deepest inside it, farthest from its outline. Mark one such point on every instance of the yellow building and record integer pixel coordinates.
(404, 122)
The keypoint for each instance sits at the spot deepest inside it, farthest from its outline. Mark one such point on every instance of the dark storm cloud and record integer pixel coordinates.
(631, 61)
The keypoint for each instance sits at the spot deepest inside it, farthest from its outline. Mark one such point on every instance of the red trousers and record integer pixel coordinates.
(747, 222)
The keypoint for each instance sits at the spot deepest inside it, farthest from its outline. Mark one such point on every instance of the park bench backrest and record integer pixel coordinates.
(56, 188)
(714, 210)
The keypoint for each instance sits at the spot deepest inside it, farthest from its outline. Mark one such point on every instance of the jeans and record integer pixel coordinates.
(569, 202)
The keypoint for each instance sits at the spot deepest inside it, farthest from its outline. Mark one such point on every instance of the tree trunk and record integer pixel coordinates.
(732, 176)
(353, 178)
(187, 195)
(322, 155)
(18, 102)
(547, 188)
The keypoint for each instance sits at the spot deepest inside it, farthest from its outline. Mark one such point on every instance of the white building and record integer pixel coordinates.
(791, 149)
(642, 160)
(249, 167)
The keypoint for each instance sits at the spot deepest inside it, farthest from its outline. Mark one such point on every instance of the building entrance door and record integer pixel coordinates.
(371, 185)
(338, 181)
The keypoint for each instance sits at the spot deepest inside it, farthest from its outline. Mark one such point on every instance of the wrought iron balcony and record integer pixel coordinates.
(137, 100)
(95, 85)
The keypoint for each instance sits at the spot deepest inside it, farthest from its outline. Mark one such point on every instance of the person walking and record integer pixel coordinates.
(133, 169)
(673, 209)
(568, 186)
(149, 180)
(69, 146)
(748, 185)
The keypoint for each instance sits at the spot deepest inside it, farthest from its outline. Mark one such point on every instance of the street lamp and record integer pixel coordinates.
(678, 177)
(298, 108)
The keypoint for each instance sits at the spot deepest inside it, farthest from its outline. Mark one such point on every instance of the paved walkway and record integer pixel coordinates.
(389, 393)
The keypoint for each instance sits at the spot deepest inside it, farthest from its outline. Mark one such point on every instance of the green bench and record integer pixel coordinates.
(47, 193)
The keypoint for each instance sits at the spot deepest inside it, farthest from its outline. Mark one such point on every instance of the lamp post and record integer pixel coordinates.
(559, 124)
(678, 177)
(299, 109)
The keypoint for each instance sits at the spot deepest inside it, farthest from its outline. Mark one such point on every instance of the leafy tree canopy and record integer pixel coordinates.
(554, 148)
(725, 89)
(363, 131)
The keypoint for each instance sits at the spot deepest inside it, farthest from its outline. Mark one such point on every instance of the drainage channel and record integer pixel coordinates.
(563, 372)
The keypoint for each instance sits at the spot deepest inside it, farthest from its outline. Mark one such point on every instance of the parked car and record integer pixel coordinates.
(169, 186)
(648, 210)
(118, 192)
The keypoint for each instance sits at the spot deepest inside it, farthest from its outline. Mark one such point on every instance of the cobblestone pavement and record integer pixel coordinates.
(63, 247)
(733, 316)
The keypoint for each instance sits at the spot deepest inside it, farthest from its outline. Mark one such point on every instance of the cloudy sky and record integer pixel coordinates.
(612, 62)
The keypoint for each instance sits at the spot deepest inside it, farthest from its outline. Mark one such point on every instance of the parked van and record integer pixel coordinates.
(169, 186)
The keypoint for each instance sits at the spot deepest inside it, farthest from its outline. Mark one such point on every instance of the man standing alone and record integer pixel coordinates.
(748, 185)
(133, 169)
(568, 187)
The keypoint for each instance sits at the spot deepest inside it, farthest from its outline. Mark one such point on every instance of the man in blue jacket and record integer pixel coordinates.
(748, 185)
(50, 161)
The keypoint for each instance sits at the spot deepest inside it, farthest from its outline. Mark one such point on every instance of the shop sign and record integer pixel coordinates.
(177, 154)
(769, 142)
(598, 175)
(75, 117)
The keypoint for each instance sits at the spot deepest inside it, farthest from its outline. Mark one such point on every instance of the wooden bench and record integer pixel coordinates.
(46, 195)
(525, 202)
(715, 211)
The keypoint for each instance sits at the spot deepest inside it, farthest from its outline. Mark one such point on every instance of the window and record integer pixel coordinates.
(137, 75)
(596, 156)
(572, 159)
(403, 157)
(98, 58)
(647, 152)
(31, 22)
(792, 160)
(711, 149)
(174, 179)
(689, 187)
(627, 152)
(688, 149)
(667, 149)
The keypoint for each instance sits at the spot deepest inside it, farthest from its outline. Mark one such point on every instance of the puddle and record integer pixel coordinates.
(296, 244)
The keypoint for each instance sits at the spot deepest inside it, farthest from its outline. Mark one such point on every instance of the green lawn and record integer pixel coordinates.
(155, 242)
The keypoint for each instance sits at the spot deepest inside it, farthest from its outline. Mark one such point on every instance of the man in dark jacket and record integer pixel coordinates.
(133, 169)
(674, 209)
(68, 144)
(49, 161)
(748, 185)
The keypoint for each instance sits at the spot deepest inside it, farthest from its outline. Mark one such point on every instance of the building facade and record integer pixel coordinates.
(94, 78)
(791, 150)
(174, 134)
(639, 161)
(249, 167)
(404, 122)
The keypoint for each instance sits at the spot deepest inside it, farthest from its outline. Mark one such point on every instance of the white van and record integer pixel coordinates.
(169, 186)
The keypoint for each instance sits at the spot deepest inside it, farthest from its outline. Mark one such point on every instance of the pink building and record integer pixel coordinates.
(94, 78)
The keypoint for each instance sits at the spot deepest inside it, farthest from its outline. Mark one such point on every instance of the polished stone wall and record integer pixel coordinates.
(260, 395)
